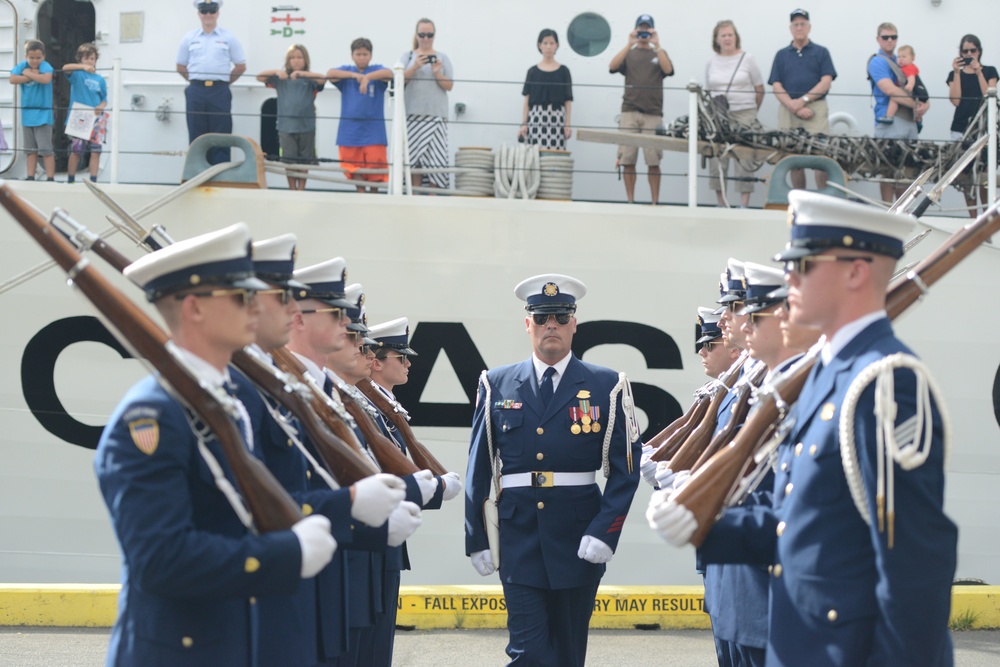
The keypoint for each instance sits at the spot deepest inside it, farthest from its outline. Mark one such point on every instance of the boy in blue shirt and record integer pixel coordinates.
(361, 135)
(89, 88)
(34, 75)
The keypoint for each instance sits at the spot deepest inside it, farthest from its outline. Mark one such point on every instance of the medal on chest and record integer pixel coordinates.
(585, 417)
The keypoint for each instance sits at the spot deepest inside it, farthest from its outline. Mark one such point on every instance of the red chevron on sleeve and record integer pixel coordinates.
(616, 525)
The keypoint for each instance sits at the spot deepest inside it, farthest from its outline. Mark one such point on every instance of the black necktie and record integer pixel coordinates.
(545, 389)
(328, 386)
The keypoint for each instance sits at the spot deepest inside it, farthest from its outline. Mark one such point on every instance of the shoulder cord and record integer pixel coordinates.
(293, 435)
(631, 425)
(222, 483)
(495, 465)
(908, 444)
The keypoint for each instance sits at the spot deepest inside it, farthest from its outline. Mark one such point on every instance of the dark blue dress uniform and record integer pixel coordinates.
(843, 590)
(541, 528)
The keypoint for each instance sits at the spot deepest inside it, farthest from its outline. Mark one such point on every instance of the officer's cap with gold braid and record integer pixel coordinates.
(394, 334)
(550, 293)
(219, 258)
(326, 282)
(708, 327)
(761, 282)
(274, 261)
(821, 222)
(735, 288)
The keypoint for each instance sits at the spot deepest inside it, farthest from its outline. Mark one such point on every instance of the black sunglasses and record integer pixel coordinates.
(336, 312)
(210, 8)
(284, 294)
(708, 345)
(734, 306)
(802, 265)
(888, 37)
(542, 318)
(425, 35)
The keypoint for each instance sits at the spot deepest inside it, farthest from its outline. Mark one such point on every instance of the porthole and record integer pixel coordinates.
(589, 34)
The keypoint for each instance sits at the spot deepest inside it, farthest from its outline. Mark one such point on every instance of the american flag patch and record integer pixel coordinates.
(145, 434)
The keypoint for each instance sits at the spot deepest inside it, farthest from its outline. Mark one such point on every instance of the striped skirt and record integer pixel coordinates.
(427, 137)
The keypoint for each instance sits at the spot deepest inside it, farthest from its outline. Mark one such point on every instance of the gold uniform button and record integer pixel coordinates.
(770, 569)
(290, 443)
(541, 505)
(788, 488)
(798, 449)
(253, 600)
(309, 474)
(251, 565)
(187, 642)
(539, 456)
(539, 430)
(780, 529)
(832, 615)
(812, 450)
(784, 466)
(777, 570)
(307, 509)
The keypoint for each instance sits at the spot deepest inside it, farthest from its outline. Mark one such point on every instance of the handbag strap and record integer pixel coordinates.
(733, 77)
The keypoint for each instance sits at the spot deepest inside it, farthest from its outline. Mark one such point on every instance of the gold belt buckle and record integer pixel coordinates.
(541, 479)
(209, 83)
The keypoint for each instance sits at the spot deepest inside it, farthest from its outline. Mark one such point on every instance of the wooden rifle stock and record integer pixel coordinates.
(389, 456)
(699, 436)
(657, 440)
(345, 464)
(269, 504)
(741, 407)
(418, 452)
(708, 488)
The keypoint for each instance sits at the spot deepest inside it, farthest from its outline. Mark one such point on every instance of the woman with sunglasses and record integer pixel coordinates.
(429, 77)
(967, 85)
(548, 98)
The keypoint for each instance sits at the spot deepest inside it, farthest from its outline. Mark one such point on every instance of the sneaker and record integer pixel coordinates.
(29, 178)
(885, 120)
(71, 179)
(93, 179)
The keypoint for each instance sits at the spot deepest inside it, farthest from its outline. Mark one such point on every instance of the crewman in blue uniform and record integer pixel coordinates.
(861, 553)
(321, 329)
(541, 429)
(191, 565)
(390, 368)
(288, 635)
(210, 59)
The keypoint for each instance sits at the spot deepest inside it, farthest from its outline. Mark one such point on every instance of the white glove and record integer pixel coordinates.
(315, 542)
(593, 550)
(428, 485)
(403, 522)
(680, 479)
(647, 466)
(452, 485)
(483, 562)
(376, 497)
(664, 475)
(674, 523)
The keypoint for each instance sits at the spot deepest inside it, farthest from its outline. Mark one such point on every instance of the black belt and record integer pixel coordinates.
(209, 83)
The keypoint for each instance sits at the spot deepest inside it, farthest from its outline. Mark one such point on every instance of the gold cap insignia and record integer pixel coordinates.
(583, 393)
(344, 277)
(791, 216)
(826, 414)
(550, 289)
(145, 434)
(848, 240)
(195, 279)
(361, 302)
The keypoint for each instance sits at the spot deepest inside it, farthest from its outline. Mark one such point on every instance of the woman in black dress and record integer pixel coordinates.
(548, 98)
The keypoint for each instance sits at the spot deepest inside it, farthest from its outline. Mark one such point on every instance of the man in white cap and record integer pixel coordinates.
(716, 357)
(210, 58)
(362, 516)
(860, 551)
(191, 564)
(545, 426)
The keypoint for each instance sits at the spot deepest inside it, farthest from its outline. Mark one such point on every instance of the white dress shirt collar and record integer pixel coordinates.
(846, 334)
(540, 367)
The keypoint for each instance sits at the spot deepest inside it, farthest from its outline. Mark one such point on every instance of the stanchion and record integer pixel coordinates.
(694, 91)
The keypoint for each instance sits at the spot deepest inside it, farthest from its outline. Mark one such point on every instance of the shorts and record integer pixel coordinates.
(353, 158)
(38, 140)
(641, 123)
(81, 146)
(818, 124)
(298, 147)
(901, 128)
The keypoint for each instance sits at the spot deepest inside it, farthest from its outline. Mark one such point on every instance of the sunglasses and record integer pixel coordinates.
(365, 350)
(401, 357)
(336, 312)
(209, 9)
(970, 50)
(542, 318)
(242, 295)
(425, 35)
(755, 318)
(284, 294)
(888, 37)
(734, 306)
(707, 346)
(802, 265)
